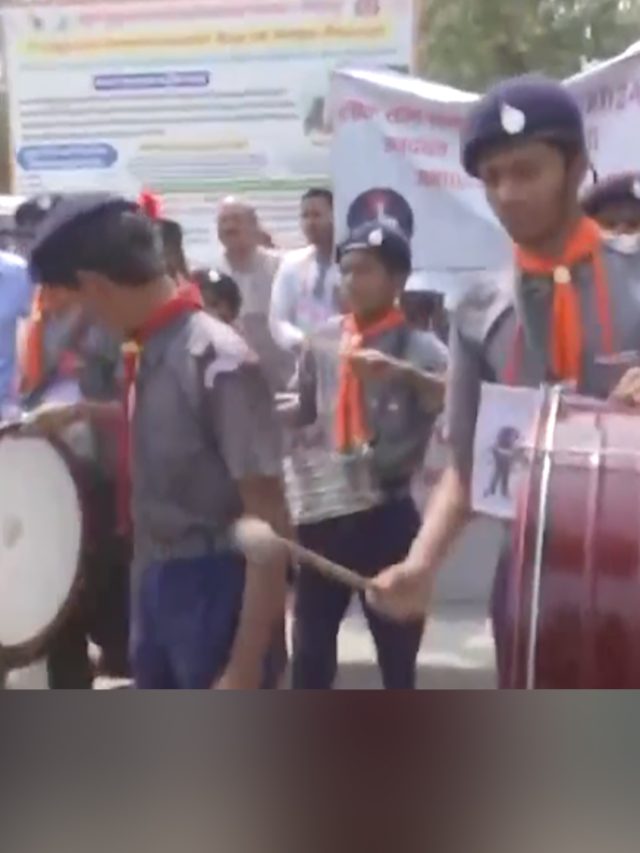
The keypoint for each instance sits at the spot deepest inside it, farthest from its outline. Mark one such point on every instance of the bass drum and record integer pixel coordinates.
(573, 598)
(41, 538)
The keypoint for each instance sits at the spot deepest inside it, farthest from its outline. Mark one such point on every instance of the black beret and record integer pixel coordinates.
(386, 240)
(35, 210)
(529, 107)
(612, 190)
(59, 238)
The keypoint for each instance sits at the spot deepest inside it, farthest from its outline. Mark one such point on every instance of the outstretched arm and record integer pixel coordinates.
(404, 591)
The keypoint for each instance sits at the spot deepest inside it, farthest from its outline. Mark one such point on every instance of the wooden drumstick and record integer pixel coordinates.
(257, 541)
(333, 348)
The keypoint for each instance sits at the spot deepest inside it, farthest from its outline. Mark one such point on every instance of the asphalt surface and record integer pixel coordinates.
(457, 653)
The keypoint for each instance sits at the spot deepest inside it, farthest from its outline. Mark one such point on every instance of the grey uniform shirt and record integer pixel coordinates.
(323, 482)
(484, 332)
(203, 420)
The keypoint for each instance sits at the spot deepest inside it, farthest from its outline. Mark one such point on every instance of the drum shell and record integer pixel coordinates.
(588, 608)
(28, 652)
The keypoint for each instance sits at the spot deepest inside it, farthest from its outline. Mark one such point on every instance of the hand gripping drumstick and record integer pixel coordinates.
(430, 385)
(257, 541)
(333, 348)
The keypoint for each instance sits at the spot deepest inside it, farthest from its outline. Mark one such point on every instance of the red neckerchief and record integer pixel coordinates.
(566, 343)
(186, 300)
(351, 428)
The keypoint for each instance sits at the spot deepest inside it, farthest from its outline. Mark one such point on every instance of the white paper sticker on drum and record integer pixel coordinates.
(62, 391)
(505, 428)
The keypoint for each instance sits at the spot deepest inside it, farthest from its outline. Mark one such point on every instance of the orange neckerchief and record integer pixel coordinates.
(186, 300)
(351, 427)
(31, 357)
(585, 244)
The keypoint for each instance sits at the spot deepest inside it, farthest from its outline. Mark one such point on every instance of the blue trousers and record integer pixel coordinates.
(185, 618)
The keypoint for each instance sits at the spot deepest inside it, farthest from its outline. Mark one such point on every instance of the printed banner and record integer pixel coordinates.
(406, 133)
(396, 154)
(192, 100)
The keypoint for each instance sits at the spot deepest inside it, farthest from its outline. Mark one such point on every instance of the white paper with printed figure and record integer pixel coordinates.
(62, 392)
(506, 425)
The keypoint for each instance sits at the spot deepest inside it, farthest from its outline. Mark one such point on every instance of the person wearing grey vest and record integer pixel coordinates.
(364, 415)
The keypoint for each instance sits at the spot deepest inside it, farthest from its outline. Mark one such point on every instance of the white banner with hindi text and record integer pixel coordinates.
(396, 153)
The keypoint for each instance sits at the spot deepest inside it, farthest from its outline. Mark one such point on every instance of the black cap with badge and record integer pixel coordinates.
(72, 225)
(32, 212)
(522, 108)
(386, 240)
(614, 189)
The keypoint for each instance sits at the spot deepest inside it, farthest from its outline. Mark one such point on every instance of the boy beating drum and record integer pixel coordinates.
(205, 447)
(569, 301)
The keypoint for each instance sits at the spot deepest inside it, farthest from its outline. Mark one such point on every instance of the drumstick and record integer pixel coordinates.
(257, 540)
(333, 348)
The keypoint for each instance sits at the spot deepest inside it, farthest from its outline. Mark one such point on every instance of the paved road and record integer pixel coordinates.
(457, 653)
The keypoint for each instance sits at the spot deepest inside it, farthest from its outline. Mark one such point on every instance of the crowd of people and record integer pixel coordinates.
(301, 388)
(273, 448)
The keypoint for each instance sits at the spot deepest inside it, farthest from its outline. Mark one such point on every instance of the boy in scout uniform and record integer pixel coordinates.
(204, 449)
(614, 203)
(62, 348)
(365, 415)
(570, 299)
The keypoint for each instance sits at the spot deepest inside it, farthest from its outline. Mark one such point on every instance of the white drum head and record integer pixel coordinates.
(40, 542)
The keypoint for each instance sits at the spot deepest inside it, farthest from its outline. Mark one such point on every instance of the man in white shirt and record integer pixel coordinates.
(306, 288)
(253, 268)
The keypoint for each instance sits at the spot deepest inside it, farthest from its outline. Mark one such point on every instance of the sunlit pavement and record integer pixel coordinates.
(457, 653)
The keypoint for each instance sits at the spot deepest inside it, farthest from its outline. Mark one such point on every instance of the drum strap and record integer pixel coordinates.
(515, 359)
(516, 356)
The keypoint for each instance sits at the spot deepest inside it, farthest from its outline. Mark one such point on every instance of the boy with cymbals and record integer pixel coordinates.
(366, 410)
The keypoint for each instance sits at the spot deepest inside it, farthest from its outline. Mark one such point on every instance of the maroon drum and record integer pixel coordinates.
(573, 599)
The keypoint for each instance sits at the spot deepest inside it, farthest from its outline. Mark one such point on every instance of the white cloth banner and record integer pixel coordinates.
(396, 153)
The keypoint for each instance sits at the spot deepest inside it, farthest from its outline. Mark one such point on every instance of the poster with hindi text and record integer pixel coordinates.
(192, 100)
